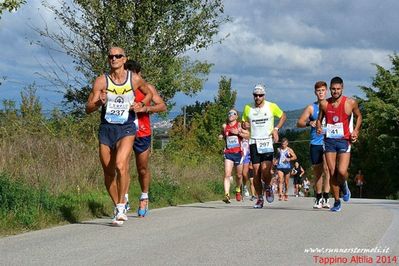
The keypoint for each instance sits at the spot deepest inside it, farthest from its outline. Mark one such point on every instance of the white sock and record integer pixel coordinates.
(143, 196)
(127, 197)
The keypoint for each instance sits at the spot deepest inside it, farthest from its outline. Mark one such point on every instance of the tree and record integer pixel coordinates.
(377, 153)
(201, 134)
(10, 5)
(157, 33)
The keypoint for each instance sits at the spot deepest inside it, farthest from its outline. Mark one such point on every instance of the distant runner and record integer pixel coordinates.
(233, 134)
(338, 111)
(259, 118)
(284, 157)
(308, 118)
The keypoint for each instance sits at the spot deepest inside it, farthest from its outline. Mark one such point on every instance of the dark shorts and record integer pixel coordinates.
(110, 134)
(297, 180)
(235, 157)
(337, 145)
(141, 144)
(257, 157)
(316, 154)
(285, 171)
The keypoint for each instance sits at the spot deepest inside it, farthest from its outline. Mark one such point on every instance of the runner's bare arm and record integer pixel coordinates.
(280, 123)
(358, 114)
(322, 107)
(293, 155)
(97, 96)
(303, 120)
(158, 103)
(244, 133)
(140, 84)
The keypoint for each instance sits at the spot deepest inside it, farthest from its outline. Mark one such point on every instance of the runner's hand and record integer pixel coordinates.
(354, 135)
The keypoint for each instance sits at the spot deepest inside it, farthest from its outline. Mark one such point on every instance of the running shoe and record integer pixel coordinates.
(121, 213)
(337, 206)
(280, 197)
(259, 203)
(318, 203)
(269, 194)
(246, 192)
(326, 204)
(226, 198)
(238, 196)
(142, 211)
(252, 198)
(114, 220)
(346, 193)
(127, 206)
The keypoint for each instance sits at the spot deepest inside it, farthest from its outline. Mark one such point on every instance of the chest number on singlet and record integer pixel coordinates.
(117, 113)
(232, 142)
(335, 131)
(264, 145)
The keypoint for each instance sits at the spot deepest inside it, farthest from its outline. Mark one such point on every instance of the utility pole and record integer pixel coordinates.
(184, 118)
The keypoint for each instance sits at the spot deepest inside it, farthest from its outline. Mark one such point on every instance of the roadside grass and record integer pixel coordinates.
(28, 203)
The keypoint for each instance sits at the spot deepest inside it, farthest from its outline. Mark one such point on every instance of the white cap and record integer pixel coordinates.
(259, 89)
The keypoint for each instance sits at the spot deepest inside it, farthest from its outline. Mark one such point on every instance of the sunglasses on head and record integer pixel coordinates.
(117, 56)
(232, 113)
(259, 95)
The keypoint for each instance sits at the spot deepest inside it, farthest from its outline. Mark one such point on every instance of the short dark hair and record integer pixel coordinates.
(133, 65)
(320, 84)
(336, 80)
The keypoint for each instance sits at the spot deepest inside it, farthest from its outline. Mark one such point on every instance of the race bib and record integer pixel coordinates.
(335, 131)
(117, 112)
(232, 142)
(264, 145)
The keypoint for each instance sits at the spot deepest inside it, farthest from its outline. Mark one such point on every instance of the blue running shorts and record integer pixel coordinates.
(110, 134)
(235, 157)
(141, 144)
(337, 145)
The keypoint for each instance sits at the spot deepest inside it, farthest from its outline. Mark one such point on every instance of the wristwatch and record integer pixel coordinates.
(276, 128)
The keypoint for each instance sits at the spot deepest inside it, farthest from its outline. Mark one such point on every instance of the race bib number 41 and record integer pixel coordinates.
(335, 131)
(264, 145)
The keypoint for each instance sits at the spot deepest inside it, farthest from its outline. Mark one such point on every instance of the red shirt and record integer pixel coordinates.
(337, 118)
(233, 142)
(142, 121)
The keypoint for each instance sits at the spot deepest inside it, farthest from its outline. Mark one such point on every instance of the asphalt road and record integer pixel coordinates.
(214, 233)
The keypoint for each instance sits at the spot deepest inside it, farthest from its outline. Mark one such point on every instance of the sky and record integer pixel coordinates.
(286, 45)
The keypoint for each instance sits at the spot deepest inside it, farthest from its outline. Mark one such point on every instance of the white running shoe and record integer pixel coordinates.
(121, 213)
(246, 192)
(326, 204)
(318, 203)
(114, 220)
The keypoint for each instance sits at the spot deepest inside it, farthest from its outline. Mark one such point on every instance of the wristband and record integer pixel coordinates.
(276, 128)
(308, 123)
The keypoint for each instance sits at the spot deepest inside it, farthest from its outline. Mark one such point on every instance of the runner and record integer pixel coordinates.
(115, 93)
(259, 118)
(284, 156)
(142, 141)
(246, 160)
(297, 172)
(338, 111)
(308, 118)
(359, 181)
(233, 134)
(306, 186)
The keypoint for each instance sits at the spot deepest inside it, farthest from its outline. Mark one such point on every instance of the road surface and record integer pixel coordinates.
(214, 233)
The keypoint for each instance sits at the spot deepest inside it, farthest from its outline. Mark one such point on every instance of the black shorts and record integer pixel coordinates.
(141, 144)
(110, 134)
(285, 171)
(316, 154)
(297, 180)
(257, 157)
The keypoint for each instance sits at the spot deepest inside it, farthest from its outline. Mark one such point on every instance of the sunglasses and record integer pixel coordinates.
(258, 95)
(232, 113)
(117, 56)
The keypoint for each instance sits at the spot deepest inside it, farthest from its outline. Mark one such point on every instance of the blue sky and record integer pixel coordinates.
(287, 45)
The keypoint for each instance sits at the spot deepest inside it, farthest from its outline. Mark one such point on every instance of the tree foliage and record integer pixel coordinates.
(200, 136)
(378, 148)
(10, 5)
(157, 33)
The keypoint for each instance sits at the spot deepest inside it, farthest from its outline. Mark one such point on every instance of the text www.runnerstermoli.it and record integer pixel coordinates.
(380, 250)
